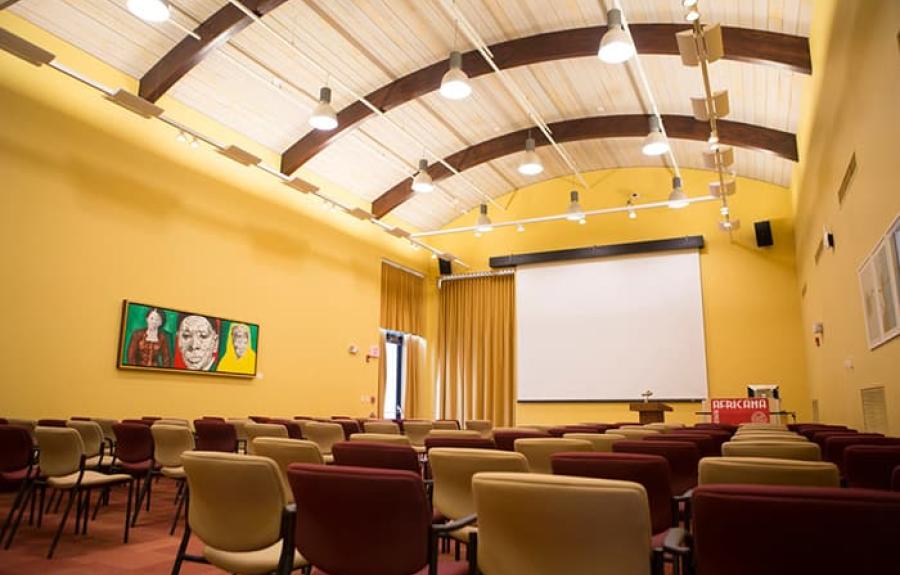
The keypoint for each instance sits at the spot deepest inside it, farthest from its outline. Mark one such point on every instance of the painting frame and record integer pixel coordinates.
(225, 347)
(879, 284)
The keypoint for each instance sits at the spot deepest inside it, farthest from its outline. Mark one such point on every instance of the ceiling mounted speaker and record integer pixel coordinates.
(715, 188)
(719, 102)
(711, 39)
(725, 158)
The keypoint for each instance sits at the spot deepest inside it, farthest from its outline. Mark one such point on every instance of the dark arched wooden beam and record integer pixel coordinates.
(741, 44)
(213, 32)
(738, 134)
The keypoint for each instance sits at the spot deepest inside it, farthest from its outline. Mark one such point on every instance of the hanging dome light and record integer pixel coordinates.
(455, 83)
(483, 224)
(422, 182)
(574, 213)
(616, 46)
(677, 199)
(531, 163)
(688, 3)
(692, 14)
(324, 117)
(655, 144)
(149, 10)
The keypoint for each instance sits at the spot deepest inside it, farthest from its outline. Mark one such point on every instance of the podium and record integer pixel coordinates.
(651, 411)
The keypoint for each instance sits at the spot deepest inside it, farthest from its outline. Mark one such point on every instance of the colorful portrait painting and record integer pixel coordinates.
(154, 337)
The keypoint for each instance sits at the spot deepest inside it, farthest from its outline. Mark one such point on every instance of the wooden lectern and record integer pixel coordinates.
(650, 411)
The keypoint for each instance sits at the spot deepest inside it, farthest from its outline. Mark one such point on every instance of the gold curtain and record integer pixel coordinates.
(476, 349)
(415, 360)
(382, 372)
(402, 300)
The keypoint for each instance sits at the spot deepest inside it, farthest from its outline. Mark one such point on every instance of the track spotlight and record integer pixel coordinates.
(195, 143)
(149, 10)
(677, 198)
(324, 117)
(724, 210)
(455, 83)
(483, 224)
(422, 181)
(616, 45)
(655, 144)
(574, 213)
(728, 225)
(181, 138)
(531, 164)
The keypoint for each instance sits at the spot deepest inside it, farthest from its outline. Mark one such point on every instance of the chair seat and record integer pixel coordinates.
(420, 448)
(328, 458)
(250, 562)
(139, 468)
(462, 534)
(173, 472)
(95, 461)
(16, 475)
(445, 567)
(90, 479)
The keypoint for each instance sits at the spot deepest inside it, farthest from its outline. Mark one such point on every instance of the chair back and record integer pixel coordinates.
(683, 458)
(768, 471)
(255, 430)
(350, 426)
(134, 442)
(240, 427)
(635, 433)
(284, 451)
(61, 450)
(91, 435)
(15, 448)
(215, 435)
(534, 524)
(757, 426)
(172, 421)
(236, 501)
(26, 424)
(835, 445)
(416, 431)
(446, 424)
(212, 418)
(598, 441)
(704, 443)
(452, 470)
(651, 471)
(562, 430)
(294, 429)
(807, 530)
(793, 437)
(324, 434)
(870, 466)
(461, 442)
(482, 426)
(51, 422)
(383, 427)
(506, 438)
(800, 450)
(382, 438)
(377, 455)
(392, 539)
(537, 450)
(106, 425)
(170, 442)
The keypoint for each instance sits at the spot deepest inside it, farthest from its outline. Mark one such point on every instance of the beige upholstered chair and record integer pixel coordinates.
(598, 441)
(534, 426)
(383, 427)
(482, 426)
(240, 429)
(324, 435)
(454, 433)
(633, 432)
(94, 445)
(286, 451)
(534, 524)
(445, 424)
(539, 449)
(170, 442)
(800, 450)
(768, 437)
(382, 438)
(239, 508)
(416, 431)
(757, 426)
(173, 421)
(768, 471)
(255, 430)
(663, 427)
(452, 470)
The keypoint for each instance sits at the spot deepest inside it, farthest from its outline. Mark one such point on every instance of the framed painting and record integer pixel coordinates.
(166, 339)
(879, 282)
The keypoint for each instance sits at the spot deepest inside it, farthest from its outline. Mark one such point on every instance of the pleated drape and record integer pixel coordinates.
(382, 371)
(403, 310)
(476, 349)
(415, 362)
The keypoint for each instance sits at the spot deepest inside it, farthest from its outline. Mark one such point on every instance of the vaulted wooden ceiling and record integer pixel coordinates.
(395, 51)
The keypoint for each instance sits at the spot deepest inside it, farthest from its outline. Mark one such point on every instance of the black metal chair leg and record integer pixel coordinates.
(87, 512)
(103, 495)
(182, 548)
(144, 492)
(128, 508)
(20, 494)
(31, 512)
(40, 519)
(29, 491)
(182, 486)
(62, 523)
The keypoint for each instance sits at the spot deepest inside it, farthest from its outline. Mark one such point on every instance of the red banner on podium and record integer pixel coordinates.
(744, 410)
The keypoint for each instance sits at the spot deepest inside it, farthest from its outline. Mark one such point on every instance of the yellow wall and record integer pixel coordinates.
(853, 108)
(98, 205)
(750, 296)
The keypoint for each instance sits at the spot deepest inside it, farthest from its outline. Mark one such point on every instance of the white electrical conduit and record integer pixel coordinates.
(363, 100)
(454, 13)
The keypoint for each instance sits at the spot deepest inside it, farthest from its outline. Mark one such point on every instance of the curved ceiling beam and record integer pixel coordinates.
(738, 134)
(213, 32)
(741, 44)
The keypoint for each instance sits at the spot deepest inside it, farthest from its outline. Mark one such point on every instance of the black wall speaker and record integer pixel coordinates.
(446, 267)
(763, 234)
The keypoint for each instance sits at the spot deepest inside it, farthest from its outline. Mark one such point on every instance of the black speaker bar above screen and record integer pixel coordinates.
(669, 244)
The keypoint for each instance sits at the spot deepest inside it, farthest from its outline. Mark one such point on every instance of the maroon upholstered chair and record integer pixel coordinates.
(810, 430)
(870, 466)
(895, 479)
(260, 419)
(212, 418)
(505, 439)
(683, 458)
(378, 455)
(293, 428)
(52, 422)
(820, 437)
(704, 443)
(835, 446)
(4, 421)
(214, 435)
(79, 418)
(827, 531)
(134, 456)
(144, 422)
(598, 427)
(730, 428)
(564, 429)
(719, 436)
(448, 421)
(396, 536)
(16, 465)
(151, 418)
(350, 426)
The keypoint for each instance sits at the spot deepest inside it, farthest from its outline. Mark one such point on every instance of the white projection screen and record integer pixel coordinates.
(609, 329)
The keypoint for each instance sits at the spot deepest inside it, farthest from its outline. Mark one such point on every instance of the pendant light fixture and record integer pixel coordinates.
(149, 10)
(616, 45)
(422, 181)
(655, 144)
(574, 213)
(483, 224)
(692, 14)
(455, 83)
(531, 163)
(324, 117)
(677, 198)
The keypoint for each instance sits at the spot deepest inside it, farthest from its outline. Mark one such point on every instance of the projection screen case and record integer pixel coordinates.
(608, 329)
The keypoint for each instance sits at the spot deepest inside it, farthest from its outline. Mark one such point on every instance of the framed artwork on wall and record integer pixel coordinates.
(879, 282)
(165, 339)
